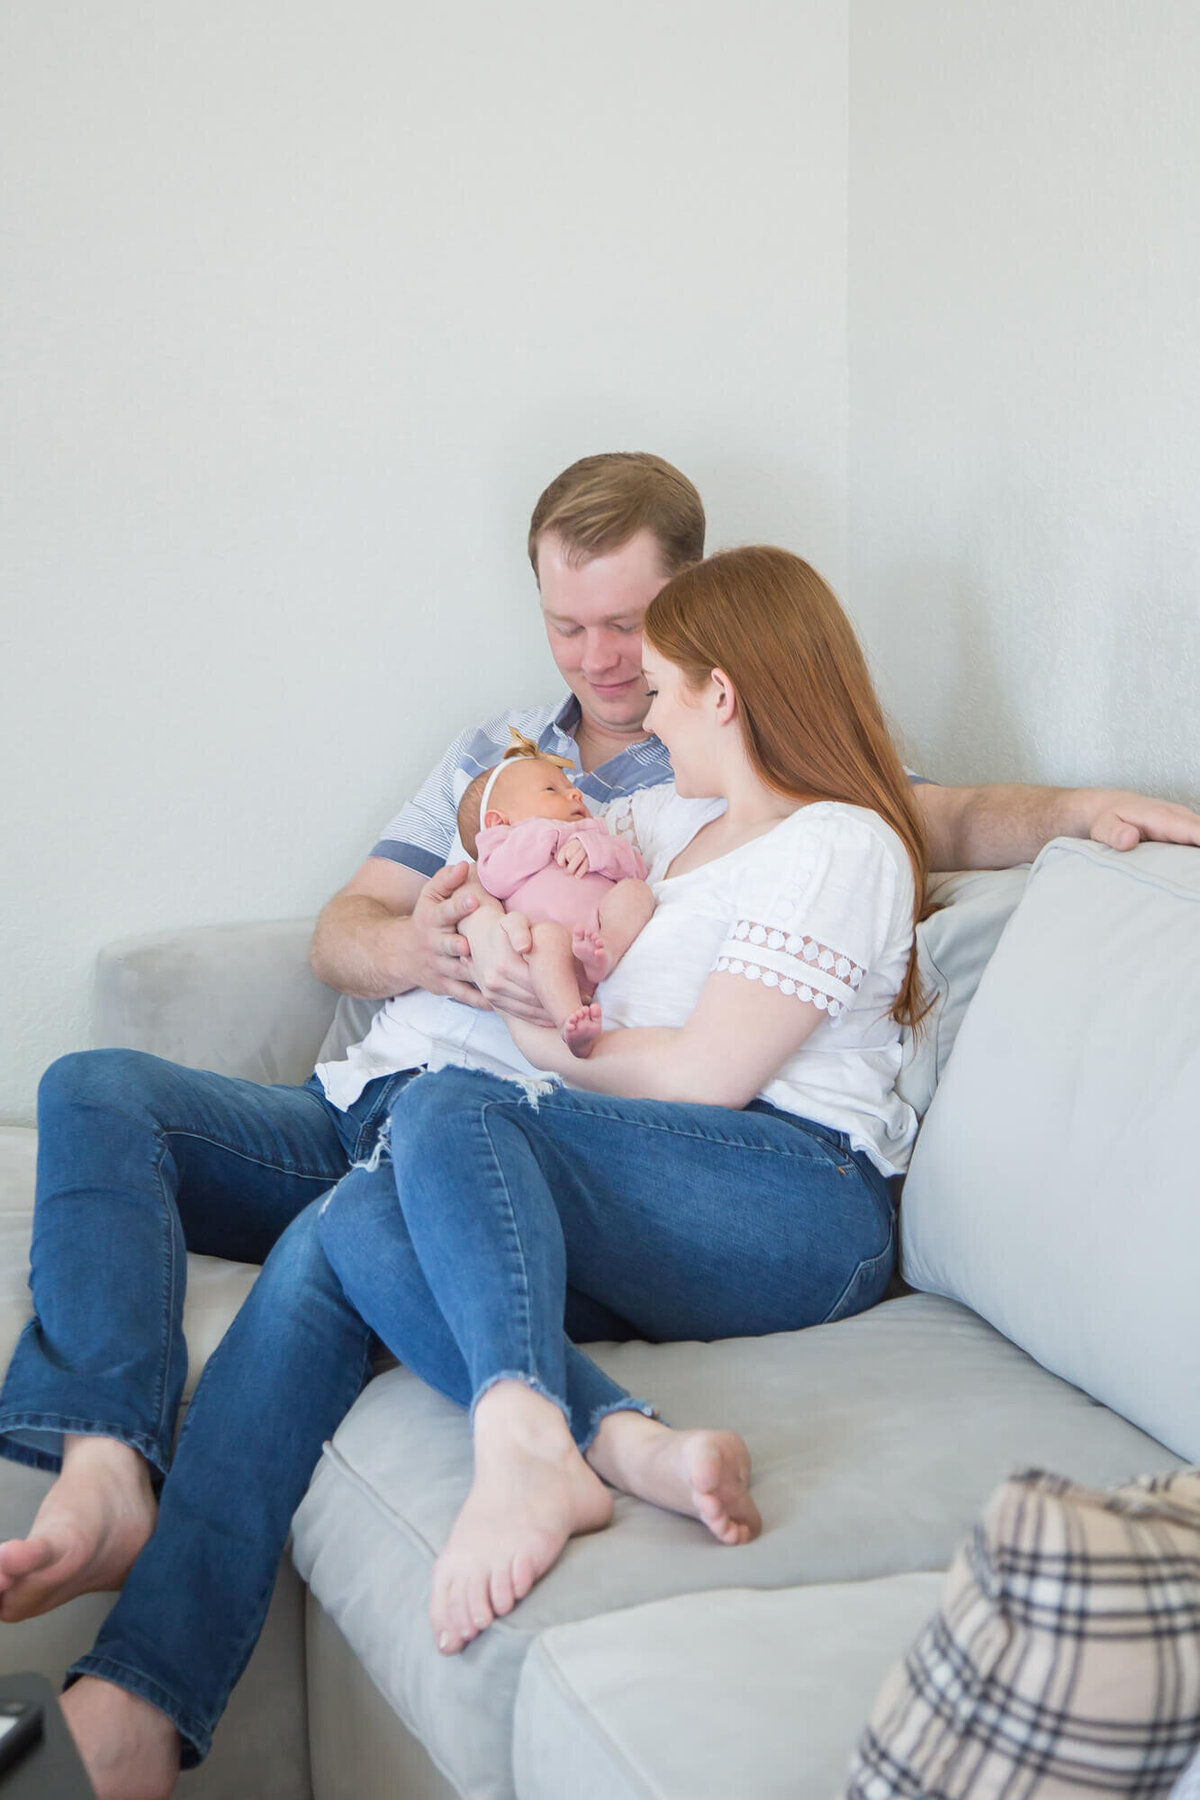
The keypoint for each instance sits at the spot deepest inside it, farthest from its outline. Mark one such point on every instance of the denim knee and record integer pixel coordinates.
(103, 1079)
(432, 1102)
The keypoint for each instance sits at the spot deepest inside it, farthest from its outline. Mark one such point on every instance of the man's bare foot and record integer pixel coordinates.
(591, 953)
(703, 1473)
(532, 1491)
(87, 1533)
(129, 1749)
(580, 1031)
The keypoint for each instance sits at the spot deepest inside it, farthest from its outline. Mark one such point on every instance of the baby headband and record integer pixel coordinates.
(521, 747)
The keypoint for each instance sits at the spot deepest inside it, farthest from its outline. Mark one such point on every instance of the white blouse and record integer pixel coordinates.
(819, 907)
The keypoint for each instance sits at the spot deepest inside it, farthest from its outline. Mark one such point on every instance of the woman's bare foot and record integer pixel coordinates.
(591, 953)
(87, 1533)
(129, 1749)
(703, 1473)
(580, 1031)
(532, 1491)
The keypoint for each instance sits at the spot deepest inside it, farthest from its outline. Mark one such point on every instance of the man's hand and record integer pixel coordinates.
(500, 942)
(1122, 820)
(389, 930)
(440, 959)
(573, 857)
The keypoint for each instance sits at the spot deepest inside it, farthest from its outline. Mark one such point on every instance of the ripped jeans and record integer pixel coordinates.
(688, 1221)
(139, 1161)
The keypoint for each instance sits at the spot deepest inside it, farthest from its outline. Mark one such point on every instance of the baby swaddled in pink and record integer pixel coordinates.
(520, 865)
(584, 892)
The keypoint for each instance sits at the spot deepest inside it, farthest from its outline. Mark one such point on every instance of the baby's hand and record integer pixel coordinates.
(573, 857)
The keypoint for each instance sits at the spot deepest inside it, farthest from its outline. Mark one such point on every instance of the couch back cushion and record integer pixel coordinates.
(953, 947)
(1053, 1187)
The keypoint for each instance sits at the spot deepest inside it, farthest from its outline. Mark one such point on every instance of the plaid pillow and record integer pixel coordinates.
(1065, 1658)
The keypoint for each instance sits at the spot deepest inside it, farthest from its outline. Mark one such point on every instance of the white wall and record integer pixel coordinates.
(1024, 326)
(302, 306)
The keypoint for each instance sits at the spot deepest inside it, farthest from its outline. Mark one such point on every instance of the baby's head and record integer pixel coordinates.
(524, 785)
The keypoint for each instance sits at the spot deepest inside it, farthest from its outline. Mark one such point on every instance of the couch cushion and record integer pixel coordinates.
(215, 1288)
(712, 1695)
(1052, 1185)
(875, 1441)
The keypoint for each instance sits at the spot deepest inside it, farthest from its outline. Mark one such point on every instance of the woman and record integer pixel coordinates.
(719, 1165)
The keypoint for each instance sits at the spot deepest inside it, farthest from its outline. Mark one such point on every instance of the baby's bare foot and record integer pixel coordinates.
(581, 1030)
(705, 1474)
(87, 1533)
(591, 953)
(532, 1492)
(129, 1749)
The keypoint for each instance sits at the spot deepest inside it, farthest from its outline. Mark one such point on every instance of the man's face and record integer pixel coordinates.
(593, 613)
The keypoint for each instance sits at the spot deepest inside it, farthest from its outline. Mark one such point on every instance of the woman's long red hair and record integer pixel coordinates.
(810, 718)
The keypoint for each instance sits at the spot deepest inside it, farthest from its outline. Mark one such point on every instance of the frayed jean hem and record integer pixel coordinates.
(600, 1413)
(529, 1381)
(195, 1736)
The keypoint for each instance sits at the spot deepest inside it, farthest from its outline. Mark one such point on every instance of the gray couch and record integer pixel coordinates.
(653, 1662)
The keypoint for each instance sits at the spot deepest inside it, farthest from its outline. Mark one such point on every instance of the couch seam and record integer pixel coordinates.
(1103, 858)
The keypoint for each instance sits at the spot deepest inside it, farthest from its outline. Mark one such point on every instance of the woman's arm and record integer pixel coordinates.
(738, 1036)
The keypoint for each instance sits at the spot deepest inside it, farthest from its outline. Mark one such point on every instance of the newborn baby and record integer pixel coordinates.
(539, 851)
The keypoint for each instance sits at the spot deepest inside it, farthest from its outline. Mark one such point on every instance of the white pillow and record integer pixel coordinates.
(1054, 1186)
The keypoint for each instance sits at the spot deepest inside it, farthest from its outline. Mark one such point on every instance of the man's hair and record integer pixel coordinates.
(600, 502)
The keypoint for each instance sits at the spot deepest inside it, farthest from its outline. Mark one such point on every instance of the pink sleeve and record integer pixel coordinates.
(509, 854)
(608, 854)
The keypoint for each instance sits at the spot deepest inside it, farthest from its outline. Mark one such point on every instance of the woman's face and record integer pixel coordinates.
(685, 720)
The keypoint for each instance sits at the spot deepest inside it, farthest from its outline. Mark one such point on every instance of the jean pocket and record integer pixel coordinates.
(867, 1284)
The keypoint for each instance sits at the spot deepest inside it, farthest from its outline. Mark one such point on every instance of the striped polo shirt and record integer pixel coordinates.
(422, 832)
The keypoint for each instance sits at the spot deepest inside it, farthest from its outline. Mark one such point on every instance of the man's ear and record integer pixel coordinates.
(492, 817)
(724, 696)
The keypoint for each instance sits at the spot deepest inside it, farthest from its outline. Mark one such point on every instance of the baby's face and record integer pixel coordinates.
(535, 790)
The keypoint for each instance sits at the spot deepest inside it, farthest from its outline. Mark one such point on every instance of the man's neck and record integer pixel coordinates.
(597, 744)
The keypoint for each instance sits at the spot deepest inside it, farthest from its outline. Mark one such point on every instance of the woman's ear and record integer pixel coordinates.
(724, 696)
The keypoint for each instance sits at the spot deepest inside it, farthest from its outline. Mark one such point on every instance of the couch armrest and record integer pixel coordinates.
(237, 999)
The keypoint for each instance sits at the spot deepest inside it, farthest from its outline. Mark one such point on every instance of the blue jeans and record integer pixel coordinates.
(139, 1161)
(689, 1221)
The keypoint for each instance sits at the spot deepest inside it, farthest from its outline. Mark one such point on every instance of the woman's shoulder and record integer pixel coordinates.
(840, 822)
(829, 836)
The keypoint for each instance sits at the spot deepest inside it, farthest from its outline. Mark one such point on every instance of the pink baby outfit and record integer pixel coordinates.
(516, 864)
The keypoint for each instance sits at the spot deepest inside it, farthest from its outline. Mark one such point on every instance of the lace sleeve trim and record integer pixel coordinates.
(795, 964)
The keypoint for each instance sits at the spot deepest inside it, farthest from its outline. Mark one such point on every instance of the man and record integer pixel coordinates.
(141, 1159)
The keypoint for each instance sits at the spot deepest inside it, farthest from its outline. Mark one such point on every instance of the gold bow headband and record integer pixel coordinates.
(521, 748)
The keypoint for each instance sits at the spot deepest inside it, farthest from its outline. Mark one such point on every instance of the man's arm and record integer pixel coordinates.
(996, 827)
(390, 930)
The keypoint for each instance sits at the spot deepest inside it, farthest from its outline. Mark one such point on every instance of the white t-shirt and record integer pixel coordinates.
(819, 907)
